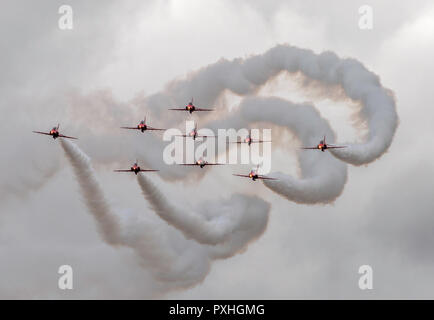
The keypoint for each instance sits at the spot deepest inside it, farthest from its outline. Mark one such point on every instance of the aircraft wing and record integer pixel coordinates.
(152, 128)
(241, 175)
(67, 137)
(187, 164)
(266, 178)
(310, 148)
(215, 164)
(122, 170)
(178, 109)
(335, 147)
(183, 135)
(202, 136)
(131, 128)
(201, 109)
(148, 170)
(40, 132)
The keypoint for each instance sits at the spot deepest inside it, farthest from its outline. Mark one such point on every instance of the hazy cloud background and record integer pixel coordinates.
(119, 52)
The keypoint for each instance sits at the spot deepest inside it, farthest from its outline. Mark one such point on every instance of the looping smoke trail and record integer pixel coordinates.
(243, 77)
(176, 262)
(323, 177)
(212, 222)
(183, 264)
(246, 76)
(181, 256)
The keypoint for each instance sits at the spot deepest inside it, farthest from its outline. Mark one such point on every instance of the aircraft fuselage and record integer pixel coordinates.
(54, 133)
(142, 127)
(135, 169)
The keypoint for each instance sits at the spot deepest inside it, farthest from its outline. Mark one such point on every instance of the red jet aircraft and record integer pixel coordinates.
(142, 126)
(193, 133)
(249, 139)
(136, 169)
(55, 133)
(254, 175)
(190, 107)
(201, 163)
(323, 146)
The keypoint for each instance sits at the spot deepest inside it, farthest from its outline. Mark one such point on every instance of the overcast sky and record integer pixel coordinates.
(118, 52)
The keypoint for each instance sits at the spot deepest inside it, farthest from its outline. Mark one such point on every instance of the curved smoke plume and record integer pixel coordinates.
(179, 250)
(243, 77)
(176, 262)
(92, 193)
(323, 177)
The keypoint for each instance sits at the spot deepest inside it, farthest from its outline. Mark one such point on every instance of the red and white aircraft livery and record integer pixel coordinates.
(201, 163)
(249, 139)
(190, 107)
(142, 126)
(323, 146)
(55, 133)
(136, 169)
(254, 175)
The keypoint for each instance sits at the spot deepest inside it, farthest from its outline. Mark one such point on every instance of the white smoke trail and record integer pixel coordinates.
(323, 177)
(171, 259)
(246, 76)
(176, 262)
(180, 252)
(92, 194)
(243, 77)
(212, 222)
